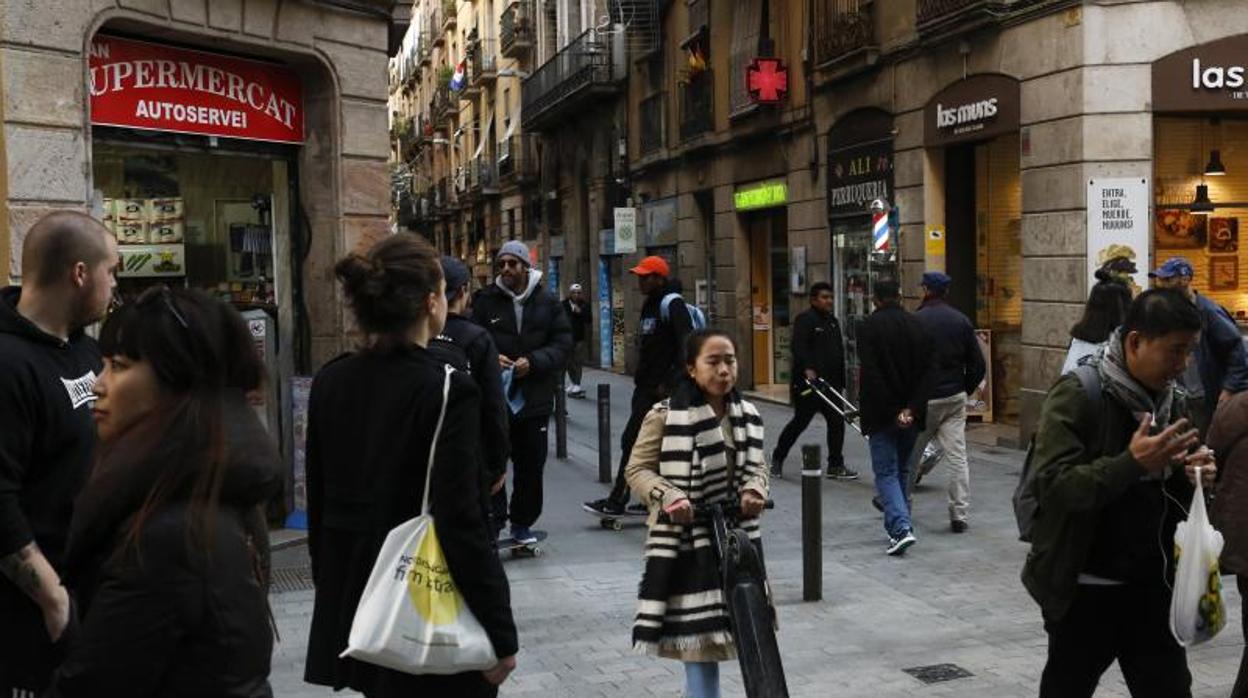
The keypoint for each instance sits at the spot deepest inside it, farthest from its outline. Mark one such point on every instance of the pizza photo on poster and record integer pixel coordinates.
(1223, 235)
(1176, 229)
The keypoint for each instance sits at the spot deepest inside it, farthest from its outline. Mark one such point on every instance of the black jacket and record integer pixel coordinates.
(957, 361)
(46, 443)
(544, 337)
(817, 345)
(468, 347)
(580, 321)
(895, 354)
(661, 345)
(370, 422)
(162, 619)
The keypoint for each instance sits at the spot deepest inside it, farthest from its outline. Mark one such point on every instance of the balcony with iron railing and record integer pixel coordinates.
(517, 159)
(435, 26)
(653, 122)
(587, 67)
(843, 28)
(937, 19)
(516, 29)
(697, 106)
(483, 175)
(450, 15)
(484, 62)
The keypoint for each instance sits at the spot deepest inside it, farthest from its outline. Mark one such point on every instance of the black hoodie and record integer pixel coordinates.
(661, 343)
(46, 441)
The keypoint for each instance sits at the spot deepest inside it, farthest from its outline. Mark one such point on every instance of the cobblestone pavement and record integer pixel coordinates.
(952, 599)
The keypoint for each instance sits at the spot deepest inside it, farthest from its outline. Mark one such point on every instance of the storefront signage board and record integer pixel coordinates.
(1118, 225)
(1212, 77)
(759, 196)
(857, 175)
(148, 86)
(976, 108)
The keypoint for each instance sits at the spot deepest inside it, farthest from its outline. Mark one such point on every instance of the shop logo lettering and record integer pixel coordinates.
(1216, 77)
(182, 75)
(967, 117)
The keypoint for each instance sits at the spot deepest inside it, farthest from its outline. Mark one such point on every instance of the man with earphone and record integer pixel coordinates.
(1112, 467)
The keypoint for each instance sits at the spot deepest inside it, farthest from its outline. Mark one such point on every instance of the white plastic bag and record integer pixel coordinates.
(1197, 611)
(411, 616)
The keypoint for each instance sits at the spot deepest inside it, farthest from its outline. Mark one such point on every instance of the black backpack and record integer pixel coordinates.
(1025, 502)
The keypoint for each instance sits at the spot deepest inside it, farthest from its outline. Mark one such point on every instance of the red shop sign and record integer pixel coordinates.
(767, 80)
(161, 88)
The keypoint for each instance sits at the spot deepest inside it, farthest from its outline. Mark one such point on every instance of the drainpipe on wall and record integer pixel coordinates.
(4, 189)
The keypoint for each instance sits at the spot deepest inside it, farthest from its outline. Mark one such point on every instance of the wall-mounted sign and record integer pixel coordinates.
(625, 230)
(142, 261)
(1119, 225)
(762, 195)
(658, 223)
(767, 79)
(976, 108)
(934, 249)
(161, 88)
(857, 175)
(1209, 77)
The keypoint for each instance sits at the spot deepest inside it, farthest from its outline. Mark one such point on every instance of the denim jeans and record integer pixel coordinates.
(701, 680)
(890, 456)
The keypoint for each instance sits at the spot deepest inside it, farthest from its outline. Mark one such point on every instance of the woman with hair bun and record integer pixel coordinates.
(371, 416)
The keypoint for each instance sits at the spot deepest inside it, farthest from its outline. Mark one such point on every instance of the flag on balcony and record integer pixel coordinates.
(457, 79)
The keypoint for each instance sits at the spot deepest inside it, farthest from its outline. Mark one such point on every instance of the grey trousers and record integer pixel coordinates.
(946, 423)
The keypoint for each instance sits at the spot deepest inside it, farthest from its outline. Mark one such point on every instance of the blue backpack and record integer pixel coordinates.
(697, 318)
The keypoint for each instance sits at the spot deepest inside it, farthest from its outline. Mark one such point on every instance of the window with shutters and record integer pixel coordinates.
(747, 37)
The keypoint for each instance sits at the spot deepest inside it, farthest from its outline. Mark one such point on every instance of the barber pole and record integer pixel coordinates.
(880, 231)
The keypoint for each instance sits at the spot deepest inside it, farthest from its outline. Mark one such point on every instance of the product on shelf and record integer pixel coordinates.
(108, 214)
(131, 232)
(165, 232)
(162, 210)
(130, 210)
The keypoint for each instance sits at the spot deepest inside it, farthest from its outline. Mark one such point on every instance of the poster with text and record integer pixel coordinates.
(1119, 225)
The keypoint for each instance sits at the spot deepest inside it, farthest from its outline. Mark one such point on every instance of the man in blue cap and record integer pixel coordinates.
(957, 369)
(1220, 368)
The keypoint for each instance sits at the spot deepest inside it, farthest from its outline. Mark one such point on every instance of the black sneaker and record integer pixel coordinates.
(840, 472)
(958, 526)
(898, 546)
(604, 507)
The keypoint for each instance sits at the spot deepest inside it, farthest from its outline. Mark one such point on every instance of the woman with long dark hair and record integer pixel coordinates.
(703, 445)
(1104, 311)
(162, 554)
(371, 421)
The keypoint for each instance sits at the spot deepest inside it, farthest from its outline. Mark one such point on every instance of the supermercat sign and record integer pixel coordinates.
(1212, 77)
(140, 85)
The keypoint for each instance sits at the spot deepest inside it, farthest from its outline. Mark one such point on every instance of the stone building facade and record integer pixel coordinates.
(339, 174)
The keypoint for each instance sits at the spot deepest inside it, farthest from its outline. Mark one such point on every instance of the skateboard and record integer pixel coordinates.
(510, 545)
(615, 522)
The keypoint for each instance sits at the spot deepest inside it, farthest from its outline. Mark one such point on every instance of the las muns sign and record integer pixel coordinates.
(149, 86)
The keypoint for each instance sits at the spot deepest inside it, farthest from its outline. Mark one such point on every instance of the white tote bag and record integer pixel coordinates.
(411, 616)
(1197, 611)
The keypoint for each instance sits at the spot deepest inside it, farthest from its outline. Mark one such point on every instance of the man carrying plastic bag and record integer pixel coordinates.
(1197, 611)
(1112, 461)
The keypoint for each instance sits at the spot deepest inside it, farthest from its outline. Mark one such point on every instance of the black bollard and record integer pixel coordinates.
(561, 421)
(604, 432)
(812, 523)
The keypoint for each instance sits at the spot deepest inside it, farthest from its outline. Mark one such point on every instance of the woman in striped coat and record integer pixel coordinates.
(703, 445)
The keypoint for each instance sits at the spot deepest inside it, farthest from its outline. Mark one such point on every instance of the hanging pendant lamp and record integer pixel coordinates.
(1215, 168)
(1202, 204)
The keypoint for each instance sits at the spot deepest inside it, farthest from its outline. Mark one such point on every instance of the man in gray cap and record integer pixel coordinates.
(534, 338)
(579, 315)
(468, 347)
(957, 369)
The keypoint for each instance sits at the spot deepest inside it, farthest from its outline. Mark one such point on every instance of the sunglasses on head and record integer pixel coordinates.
(165, 297)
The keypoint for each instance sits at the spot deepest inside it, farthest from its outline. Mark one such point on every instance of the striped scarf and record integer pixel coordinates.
(681, 605)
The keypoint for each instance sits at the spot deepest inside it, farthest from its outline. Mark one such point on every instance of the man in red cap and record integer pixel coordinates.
(665, 325)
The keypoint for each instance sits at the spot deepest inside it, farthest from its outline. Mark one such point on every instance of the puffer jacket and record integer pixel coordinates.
(541, 333)
(1230, 506)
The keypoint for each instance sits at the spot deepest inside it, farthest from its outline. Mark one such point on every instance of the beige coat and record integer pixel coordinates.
(642, 474)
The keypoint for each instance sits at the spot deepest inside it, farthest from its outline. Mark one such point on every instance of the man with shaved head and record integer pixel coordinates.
(48, 367)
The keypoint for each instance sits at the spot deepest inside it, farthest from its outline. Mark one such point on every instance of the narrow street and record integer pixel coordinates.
(952, 599)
